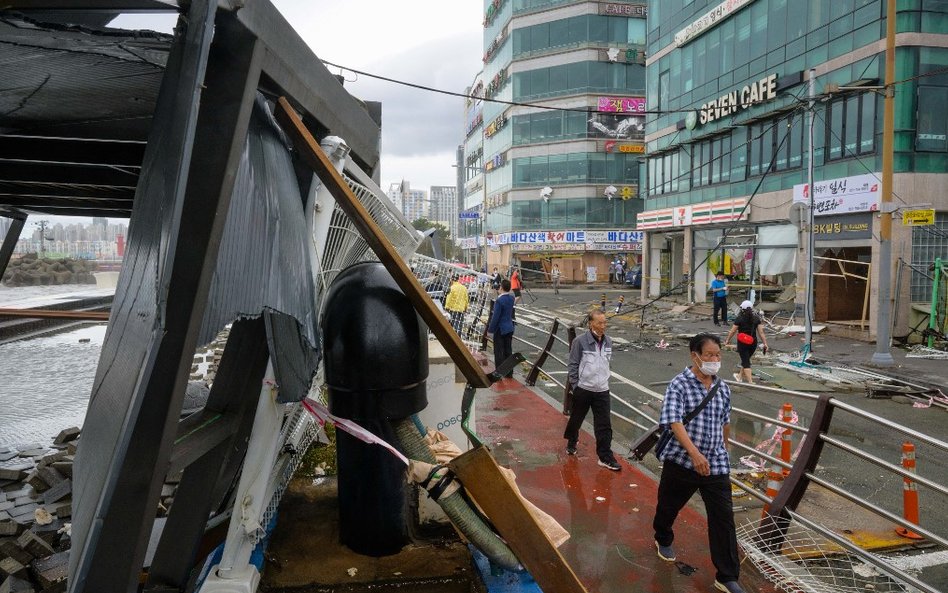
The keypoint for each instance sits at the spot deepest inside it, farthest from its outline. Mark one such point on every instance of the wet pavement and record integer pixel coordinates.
(608, 514)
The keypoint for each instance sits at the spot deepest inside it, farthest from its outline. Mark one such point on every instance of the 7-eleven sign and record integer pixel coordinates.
(681, 216)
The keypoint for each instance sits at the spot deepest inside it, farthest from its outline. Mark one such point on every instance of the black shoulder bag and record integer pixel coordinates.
(658, 437)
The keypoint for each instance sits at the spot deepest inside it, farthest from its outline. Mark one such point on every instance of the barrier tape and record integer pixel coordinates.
(770, 444)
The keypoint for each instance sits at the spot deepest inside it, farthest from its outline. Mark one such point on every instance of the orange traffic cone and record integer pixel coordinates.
(774, 482)
(909, 493)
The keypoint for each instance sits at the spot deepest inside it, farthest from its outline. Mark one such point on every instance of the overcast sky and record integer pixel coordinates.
(432, 43)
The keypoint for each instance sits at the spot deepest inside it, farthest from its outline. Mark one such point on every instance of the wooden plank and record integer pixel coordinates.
(482, 478)
(49, 314)
(313, 155)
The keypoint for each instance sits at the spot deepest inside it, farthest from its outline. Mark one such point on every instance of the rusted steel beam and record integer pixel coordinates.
(52, 314)
(313, 155)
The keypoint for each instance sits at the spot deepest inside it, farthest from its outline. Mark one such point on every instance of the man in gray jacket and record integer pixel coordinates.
(589, 358)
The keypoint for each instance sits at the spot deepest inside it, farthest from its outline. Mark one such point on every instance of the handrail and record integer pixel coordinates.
(762, 418)
(889, 424)
(634, 409)
(882, 463)
(752, 491)
(629, 420)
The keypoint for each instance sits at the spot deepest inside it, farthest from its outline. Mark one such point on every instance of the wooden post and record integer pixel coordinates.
(482, 478)
(535, 369)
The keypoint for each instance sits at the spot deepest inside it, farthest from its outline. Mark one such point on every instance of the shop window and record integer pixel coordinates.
(851, 126)
(663, 89)
(739, 156)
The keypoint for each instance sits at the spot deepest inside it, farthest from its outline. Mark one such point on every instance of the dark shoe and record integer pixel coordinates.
(729, 587)
(611, 464)
(570, 449)
(666, 553)
(717, 324)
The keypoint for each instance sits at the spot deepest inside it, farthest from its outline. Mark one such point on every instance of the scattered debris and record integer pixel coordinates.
(662, 344)
(600, 498)
(919, 351)
(353, 571)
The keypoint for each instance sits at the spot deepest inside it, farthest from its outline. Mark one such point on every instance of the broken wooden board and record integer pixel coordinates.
(482, 478)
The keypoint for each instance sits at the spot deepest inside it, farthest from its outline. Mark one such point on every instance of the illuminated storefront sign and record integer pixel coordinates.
(496, 161)
(614, 146)
(696, 214)
(709, 19)
(846, 226)
(495, 126)
(638, 11)
(752, 94)
(859, 193)
(622, 104)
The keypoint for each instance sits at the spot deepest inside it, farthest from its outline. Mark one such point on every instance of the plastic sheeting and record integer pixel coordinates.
(775, 261)
(264, 261)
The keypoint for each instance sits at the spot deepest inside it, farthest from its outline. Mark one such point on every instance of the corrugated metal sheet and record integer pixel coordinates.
(263, 262)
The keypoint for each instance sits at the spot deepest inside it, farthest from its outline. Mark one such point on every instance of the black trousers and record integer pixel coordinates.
(599, 401)
(720, 304)
(503, 348)
(746, 351)
(678, 484)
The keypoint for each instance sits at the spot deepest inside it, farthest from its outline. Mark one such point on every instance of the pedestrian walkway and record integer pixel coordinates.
(608, 514)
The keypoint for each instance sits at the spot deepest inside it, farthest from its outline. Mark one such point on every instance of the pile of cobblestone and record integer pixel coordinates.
(35, 506)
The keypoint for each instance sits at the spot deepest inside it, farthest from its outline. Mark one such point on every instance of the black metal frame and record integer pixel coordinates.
(221, 57)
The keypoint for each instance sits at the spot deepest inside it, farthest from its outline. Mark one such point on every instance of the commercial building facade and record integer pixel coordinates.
(561, 165)
(728, 150)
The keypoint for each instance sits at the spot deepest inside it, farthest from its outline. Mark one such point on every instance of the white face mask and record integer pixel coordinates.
(710, 368)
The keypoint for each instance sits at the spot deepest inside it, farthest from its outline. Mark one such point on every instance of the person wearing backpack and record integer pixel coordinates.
(750, 332)
(696, 459)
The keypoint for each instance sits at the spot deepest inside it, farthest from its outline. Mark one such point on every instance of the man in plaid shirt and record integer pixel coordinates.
(696, 459)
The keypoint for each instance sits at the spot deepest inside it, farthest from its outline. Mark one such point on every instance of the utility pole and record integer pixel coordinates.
(42, 224)
(882, 355)
(808, 315)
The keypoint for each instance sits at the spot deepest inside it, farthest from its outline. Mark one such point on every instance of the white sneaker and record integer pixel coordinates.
(737, 377)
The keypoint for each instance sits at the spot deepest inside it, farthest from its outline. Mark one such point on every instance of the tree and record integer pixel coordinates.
(442, 235)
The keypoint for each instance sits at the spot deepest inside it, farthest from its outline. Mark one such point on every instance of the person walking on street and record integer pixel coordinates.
(696, 459)
(750, 332)
(588, 372)
(495, 281)
(555, 276)
(719, 292)
(501, 325)
(456, 303)
(516, 284)
(620, 272)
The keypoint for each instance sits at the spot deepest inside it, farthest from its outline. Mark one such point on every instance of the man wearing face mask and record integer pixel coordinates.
(696, 459)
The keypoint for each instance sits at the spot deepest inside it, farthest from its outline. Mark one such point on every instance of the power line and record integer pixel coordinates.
(500, 101)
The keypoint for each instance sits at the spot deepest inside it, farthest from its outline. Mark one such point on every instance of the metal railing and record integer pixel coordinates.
(783, 514)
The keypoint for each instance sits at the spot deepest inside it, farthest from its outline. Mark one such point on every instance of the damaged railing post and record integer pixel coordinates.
(773, 526)
(567, 391)
(535, 370)
(490, 314)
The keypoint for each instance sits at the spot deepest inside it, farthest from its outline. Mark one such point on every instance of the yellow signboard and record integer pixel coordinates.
(918, 217)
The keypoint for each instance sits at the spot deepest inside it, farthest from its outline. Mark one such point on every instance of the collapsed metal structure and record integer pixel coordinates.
(161, 129)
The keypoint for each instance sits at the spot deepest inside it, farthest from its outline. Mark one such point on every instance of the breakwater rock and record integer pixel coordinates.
(31, 270)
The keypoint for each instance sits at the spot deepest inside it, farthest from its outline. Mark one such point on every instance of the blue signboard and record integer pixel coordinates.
(469, 215)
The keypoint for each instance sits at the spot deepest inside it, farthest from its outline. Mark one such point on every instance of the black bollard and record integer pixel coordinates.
(376, 357)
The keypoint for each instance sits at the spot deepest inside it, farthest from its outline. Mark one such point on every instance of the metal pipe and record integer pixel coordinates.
(885, 464)
(629, 420)
(918, 436)
(811, 243)
(763, 418)
(801, 394)
(633, 408)
(752, 491)
(873, 559)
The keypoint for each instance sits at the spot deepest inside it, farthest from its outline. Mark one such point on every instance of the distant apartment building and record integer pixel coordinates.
(443, 207)
(412, 202)
(561, 167)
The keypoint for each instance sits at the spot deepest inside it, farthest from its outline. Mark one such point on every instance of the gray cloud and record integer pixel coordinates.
(416, 122)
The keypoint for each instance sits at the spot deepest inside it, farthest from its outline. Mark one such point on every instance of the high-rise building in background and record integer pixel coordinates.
(412, 202)
(443, 207)
(728, 152)
(561, 169)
